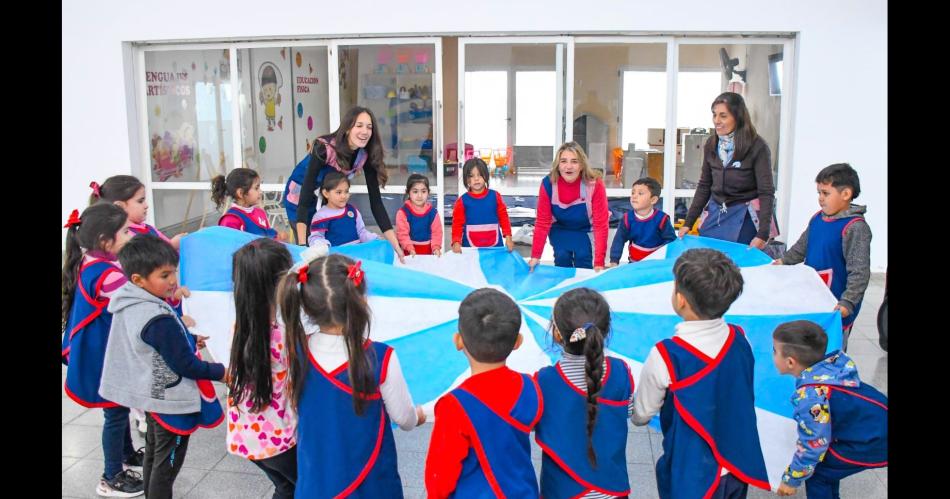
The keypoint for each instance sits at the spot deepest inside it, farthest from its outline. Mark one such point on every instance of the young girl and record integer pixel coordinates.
(91, 275)
(344, 387)
(587, 399)
(418, 224)
(479, 213)
(243, 185)
(337, 222)
(128, 193)
(261, 425)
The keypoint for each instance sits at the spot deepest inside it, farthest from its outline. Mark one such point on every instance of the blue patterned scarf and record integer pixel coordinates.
(727, 146)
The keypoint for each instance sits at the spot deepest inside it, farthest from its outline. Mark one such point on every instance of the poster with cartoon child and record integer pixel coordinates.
(271, 81)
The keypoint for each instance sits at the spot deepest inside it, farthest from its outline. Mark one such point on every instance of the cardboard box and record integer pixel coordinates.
(655, 137)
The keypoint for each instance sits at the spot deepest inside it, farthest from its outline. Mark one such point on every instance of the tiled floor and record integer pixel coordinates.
(210, 472)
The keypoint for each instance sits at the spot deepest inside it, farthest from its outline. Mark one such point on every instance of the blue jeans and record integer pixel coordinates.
(116, 440)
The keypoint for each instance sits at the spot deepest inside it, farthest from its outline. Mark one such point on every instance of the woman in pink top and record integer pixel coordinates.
(261, 425)
(572, 202)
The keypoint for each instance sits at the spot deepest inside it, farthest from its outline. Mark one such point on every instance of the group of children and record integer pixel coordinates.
(836, 243)
(127, 345)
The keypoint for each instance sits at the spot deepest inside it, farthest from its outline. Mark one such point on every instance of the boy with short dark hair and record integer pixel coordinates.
(645, 228)
(480, 445)
(700, 381)
(842, 422)
(151, 362)
(837, 242)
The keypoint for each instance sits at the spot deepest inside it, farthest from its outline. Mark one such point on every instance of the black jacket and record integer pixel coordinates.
(751, 180)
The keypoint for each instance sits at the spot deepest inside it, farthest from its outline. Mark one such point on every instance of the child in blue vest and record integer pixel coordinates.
(338, 222)
(418, 224)
(480, 217)
(128, 193)
(91, 276)
(243, 185)
(587, 400)
(837, 242)
(152, 362)
(346, 389)
(479, 445)
(646, 228)
(842, 422)
(700, 381)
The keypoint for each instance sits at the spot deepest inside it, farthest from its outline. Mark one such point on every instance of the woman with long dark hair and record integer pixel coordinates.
(353, 147)
(736, 192)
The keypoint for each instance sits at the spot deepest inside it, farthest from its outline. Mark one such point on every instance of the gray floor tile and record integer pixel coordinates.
(186, 481)
(89, 417)
(864, 485)
(881, 474)
(69, 461)
(218, 484)
(412, 468)
(416, 440)
(414, 492)
(642, 481)
(638, 448)
(72, 410)
(656, 444)
(79, 441)
(236, 464)
(80, 479)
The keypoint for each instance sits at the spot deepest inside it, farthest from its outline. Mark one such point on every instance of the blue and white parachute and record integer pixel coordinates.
(415, 310)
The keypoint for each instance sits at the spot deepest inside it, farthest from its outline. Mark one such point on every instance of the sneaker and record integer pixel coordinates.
(126, 484)
(524, 235)
(134, 462)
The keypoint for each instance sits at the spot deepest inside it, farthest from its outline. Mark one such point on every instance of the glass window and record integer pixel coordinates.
(486, 91)
(396, 83)
(705, 72)
(184, 210)
(188, 100)
(619, 92)
(534, 93)
(284, 104)
(514, 108)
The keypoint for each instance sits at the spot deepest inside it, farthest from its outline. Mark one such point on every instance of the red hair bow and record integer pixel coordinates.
(355, 273)
(302, 274)
(73, 219)
(95, 188)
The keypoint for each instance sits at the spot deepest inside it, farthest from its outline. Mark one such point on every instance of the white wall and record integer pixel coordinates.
(840, 106)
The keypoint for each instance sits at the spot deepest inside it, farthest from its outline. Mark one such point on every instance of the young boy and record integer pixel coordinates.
(700, 381)
(646, 229)
(479, 445)
(842, 422)
(151, 362)
(837, 242)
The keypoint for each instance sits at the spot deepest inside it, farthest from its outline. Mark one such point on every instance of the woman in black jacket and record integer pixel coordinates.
(353, 147)
(736, 192)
